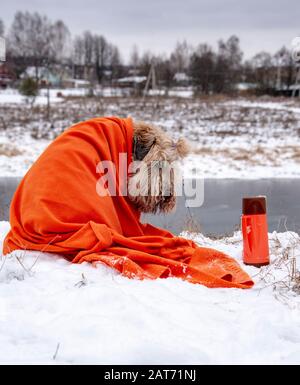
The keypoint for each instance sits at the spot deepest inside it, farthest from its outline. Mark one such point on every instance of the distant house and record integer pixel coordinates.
(133, 71)
(6, 76)
(43, 75)
(182, 79)
(244, 86)
(75, 83)
(292, 90)
(295, 88)
(131, 82)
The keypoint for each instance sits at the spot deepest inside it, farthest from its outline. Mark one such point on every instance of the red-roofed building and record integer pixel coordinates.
(6, 75)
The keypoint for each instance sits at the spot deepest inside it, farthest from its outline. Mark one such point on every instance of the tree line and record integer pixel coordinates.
(35, 40)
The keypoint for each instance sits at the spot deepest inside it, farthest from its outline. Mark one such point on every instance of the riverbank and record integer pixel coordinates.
(231, 138)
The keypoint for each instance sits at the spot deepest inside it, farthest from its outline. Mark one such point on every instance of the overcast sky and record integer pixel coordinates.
(156, 25)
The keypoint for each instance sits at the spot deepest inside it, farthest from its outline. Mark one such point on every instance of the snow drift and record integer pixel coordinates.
(52, 311)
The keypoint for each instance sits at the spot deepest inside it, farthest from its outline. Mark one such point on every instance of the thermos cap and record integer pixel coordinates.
(254, 205)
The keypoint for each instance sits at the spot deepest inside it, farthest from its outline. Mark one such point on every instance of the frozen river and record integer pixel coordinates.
(221, 210)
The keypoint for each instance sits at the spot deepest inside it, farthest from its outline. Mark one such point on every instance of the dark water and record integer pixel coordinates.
(221, 210)
(7, 189)
(220, 213)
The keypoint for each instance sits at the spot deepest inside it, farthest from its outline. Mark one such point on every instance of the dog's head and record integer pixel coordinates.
(152, 185)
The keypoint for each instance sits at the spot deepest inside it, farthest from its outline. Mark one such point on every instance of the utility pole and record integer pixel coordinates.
(278, 82)
(297, 82)
(151, 78)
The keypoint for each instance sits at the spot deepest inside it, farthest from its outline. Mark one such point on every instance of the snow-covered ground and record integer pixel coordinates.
(232, 138)
(10, 96)
(54, 312)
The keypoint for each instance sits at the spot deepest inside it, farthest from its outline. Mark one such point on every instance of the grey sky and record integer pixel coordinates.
(157, 25)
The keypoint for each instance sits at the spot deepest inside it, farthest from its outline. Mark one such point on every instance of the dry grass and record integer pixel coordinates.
(257, 155)
(282, 274)
(206, 113)
(191, 225)
(296, 154)
(284, 262)
(9, 150)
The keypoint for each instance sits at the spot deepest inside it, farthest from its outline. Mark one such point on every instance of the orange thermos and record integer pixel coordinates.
(255, 231)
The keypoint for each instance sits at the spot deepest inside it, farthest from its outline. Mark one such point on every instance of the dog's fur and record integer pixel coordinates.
(154, 179)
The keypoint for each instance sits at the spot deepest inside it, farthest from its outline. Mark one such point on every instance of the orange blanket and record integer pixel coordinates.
(56, 209)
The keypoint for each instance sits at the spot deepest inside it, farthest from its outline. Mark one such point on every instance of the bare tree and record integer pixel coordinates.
(59, 38)
(228, 65)
(30, 38)
(78, 51)
(165, 72)
(1, 28)
(134, 58)
(34, 40)
(232, 52)
(202, 68)
(95, 54)
(114, 61)
(88, 44)
(146, 62)
(180, 57)
(60, 41)
(265, 76)
(285, 68)
(83, 56)
(100, 48)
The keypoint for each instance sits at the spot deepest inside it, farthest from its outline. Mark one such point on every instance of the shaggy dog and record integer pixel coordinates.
(152, 187)
(57, 207)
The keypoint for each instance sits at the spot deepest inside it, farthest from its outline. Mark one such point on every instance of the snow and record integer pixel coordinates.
(94, 315)
(231, 138)
(179, 92)
(133, 79)
(181, 77)
(28, 151)
(10, 96)
(287, 106)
